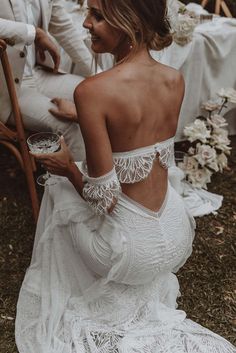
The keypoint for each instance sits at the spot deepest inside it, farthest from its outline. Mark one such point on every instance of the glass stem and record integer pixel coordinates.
(48, 175)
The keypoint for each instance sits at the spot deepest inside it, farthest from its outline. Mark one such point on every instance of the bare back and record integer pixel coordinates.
(142, 101)
(144, 106)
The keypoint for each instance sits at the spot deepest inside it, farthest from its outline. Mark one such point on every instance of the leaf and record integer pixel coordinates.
(220, 230)
(7, 317)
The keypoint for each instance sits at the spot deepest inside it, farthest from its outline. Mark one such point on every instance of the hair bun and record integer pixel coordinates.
(159, 43)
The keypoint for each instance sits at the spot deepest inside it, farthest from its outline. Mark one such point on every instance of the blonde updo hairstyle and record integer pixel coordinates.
(143, 21)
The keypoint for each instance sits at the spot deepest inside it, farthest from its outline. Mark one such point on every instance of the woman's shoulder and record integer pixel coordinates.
(94, 96)
(96, 86)
(170, 75)
(172, 83)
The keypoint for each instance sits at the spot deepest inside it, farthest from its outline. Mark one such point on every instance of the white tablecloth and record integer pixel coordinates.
(208, 63)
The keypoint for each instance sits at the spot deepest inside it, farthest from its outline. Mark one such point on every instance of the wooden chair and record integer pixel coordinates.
(14, 139)
(219, 4)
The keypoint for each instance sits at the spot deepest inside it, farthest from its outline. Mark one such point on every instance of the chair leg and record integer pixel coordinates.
(14, 150)
(31, 186)
(226, 9)
(28, 168)
(217, 7)
(25, 163)
(21, 134)
(29, 176)
(12, 135)
(203, 3)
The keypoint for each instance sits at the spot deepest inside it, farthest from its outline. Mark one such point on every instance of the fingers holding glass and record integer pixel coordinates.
(44, 143)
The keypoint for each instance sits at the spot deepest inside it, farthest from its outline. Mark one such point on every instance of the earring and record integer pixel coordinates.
(130, 45)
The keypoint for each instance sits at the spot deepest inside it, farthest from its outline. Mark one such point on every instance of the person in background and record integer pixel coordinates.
(112, 232)
(28, 26)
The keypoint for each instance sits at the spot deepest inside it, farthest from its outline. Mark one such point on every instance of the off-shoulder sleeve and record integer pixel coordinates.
(100, 192)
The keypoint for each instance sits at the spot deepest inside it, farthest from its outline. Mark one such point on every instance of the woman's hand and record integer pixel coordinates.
(59, 163)
(65, 110)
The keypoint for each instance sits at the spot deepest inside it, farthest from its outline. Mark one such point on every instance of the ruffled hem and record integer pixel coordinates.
(85, 335)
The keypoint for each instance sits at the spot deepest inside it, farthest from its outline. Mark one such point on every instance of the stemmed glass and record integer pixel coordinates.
(43, 143)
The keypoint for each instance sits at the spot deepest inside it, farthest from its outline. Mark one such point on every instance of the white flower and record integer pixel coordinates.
(173, 8)
(183, 29)
(205, 155)
(199, 178)
(221, 132)
(220, 140)
(197, 131)
(191, 151)
(217, 121)
(228, 93)
(211, 105)
(189, 164)
(209, 142)
(222, 161)
(214, 165)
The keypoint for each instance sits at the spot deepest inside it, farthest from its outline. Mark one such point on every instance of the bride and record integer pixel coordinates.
(112, 232)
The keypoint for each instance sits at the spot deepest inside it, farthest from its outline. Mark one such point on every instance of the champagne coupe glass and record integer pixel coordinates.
(43, 143)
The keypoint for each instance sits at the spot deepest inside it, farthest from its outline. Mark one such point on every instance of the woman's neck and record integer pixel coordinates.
(141, 56)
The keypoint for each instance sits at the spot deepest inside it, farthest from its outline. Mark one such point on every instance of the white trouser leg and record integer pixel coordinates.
(56, 85)
(34, 105)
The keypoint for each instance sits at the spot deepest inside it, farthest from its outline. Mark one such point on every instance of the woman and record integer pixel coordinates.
(112, 231)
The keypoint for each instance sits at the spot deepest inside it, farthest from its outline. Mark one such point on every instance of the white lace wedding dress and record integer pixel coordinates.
(105, 283)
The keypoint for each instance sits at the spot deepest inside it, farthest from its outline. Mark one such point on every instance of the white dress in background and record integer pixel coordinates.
(105, 283)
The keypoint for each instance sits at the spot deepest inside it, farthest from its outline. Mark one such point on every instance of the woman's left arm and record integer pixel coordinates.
(102, 187)
(91, 105)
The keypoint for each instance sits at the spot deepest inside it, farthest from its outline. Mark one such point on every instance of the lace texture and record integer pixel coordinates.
(140, 334)
(133, 169)
(64, 307)
(129, 167)
(166, 152)
(101, 192)
(134, 166)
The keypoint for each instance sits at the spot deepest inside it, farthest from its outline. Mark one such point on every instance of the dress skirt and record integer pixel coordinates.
(107, 284)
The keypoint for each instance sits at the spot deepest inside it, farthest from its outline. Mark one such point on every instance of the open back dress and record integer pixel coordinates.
(106, 283)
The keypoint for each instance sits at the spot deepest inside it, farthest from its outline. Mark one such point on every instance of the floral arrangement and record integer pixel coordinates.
(184, 26)
(209, 142)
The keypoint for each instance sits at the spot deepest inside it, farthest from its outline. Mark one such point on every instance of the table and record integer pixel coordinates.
(208, 63)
